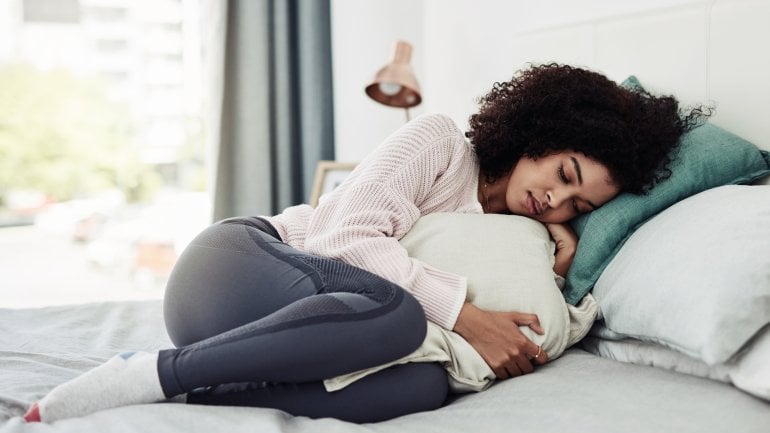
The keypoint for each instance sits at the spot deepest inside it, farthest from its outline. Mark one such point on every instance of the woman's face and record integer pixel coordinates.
(558, 187)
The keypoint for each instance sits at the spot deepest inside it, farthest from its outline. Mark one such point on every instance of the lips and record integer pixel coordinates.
(533, 206)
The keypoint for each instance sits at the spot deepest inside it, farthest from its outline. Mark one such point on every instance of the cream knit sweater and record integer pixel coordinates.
(426, 166)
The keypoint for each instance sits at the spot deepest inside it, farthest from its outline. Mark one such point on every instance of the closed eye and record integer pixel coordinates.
(562, 175)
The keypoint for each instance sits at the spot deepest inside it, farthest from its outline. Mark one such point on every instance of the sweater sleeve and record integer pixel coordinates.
(362, 220)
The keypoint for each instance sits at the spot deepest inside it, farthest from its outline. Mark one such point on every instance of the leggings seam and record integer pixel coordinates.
(306, 268)
(267, 229)
(299, 261)
(251, 253)
(266, 248)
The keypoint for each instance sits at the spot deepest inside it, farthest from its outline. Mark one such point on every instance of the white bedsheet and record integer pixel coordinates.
(40, 348)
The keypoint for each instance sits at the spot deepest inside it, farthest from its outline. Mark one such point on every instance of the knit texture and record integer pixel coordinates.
(427, 166)
(122, 380)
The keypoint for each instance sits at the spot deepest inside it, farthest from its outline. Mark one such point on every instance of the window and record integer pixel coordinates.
(102, 171)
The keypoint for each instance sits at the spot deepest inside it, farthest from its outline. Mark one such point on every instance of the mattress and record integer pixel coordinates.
(40, 348)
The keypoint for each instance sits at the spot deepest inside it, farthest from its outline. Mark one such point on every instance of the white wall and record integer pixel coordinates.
(699, 50)
(363, 32)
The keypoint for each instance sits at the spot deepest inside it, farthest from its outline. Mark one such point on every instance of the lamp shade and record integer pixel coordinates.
(395, 84)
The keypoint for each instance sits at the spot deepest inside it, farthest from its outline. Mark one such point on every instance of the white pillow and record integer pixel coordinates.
(748, 370)
(695, 278)
(508, 261)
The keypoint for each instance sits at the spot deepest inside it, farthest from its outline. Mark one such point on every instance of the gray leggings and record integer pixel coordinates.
(259, 323)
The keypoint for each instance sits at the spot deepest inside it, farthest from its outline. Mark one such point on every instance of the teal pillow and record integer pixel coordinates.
(708, 157)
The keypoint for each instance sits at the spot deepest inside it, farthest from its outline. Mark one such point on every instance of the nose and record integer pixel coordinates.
(556, 198)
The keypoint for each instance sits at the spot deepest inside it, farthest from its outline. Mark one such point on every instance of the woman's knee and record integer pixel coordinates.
(401, 390)
(433, 379)
(412, 317)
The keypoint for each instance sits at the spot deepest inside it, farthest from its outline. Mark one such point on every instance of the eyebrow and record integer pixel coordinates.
(577, 169)
(579, 173)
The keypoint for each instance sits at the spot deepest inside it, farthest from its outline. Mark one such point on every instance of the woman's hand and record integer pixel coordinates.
(497, 338)
(566, 244)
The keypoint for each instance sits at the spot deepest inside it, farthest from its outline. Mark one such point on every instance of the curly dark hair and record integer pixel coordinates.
(551, 108)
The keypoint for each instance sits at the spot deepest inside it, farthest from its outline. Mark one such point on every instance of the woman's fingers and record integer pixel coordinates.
(498, 338)
(531, 320)
(535, 353)
(514, 370)
(524, 365)
(539, 356)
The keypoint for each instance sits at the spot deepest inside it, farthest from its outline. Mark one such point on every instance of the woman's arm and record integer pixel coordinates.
(421, 168)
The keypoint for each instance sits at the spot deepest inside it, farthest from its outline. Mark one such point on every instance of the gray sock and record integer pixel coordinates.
(125, 379)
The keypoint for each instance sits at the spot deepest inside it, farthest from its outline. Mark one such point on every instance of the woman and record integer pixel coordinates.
(262, 310)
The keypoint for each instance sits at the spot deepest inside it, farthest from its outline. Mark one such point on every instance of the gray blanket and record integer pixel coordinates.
(40, 348)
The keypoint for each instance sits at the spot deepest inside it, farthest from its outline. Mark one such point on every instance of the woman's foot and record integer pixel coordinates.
(129, 378)
(33, 414)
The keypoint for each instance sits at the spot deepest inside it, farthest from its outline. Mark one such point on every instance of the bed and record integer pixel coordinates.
(682, 341)
(631, 373)
(43, 347)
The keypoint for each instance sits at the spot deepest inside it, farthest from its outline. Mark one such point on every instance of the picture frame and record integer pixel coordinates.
(328, 175)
